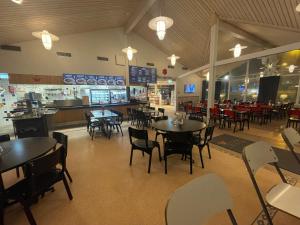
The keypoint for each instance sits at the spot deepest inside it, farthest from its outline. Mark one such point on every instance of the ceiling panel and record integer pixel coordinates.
(61, 17)
(274, 21)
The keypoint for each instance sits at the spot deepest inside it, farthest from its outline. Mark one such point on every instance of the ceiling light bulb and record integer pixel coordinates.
(17, 1)
(47, 40)
(226, 77)
(161, 29)
(292, 68)
(298, 8)
(237, 50)
(173, 59)
(129, 52)
(160, 25)
(46, 37)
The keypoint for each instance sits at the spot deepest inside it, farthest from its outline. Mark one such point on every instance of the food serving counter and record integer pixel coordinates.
(74, 115)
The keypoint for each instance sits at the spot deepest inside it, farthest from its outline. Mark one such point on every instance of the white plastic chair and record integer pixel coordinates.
(292, 138)
(283, 196)
(198, 200)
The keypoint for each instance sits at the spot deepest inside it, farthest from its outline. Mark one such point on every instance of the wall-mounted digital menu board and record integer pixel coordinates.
(83, 79)
(142, 75)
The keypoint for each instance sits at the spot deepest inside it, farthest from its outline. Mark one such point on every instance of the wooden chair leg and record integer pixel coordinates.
(28, 212)
(191, 163)
(121, 129)
(18, 171)
(201, 158)
(235, 124)
(69, 176)
(67, 188)
(166, 166)
(131, 153)
(208, 149)
(150, 159)
(159, 153)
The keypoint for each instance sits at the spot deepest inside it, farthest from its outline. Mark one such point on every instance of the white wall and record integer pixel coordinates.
(85, 47)
(191, 79)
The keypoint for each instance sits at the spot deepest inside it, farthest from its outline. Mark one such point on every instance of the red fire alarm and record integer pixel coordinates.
(164, 71)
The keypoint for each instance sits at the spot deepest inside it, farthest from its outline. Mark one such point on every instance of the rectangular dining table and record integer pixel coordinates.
(103, 116)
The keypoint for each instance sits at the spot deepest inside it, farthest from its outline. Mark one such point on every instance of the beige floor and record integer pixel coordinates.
(107, 191)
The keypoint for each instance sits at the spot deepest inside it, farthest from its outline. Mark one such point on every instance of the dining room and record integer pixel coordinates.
(148, 112)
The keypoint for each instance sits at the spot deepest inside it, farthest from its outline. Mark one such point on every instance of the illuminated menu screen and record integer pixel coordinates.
(142, 75)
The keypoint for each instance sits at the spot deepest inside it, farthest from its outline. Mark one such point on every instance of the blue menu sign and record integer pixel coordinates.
(84, 79)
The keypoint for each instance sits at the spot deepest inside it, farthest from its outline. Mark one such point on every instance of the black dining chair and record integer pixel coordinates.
(40, 175)
(209, 131)
(159, 132)
(139, 141)
(129, 114)
(115, 123)
(178, 143)
(160, 113)
(63, 140)
(92, 124)
(6, 137)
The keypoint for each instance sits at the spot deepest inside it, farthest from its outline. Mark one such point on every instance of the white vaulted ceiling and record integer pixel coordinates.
(61, 17)
(274, 22)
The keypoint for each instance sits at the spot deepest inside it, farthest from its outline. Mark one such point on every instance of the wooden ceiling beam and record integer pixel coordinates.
(244, 35)
(140, 12)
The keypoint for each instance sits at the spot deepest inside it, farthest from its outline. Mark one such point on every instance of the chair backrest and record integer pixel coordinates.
(161, 118)
(137, 134)
(42, 166)
(258, 155)
(152, 108)
(181, 137)
(61, 139)
(197, 201)
(209, 131)
(4, 137)
(291, 137)
(87, 116)
(47, 162)
(161, 110)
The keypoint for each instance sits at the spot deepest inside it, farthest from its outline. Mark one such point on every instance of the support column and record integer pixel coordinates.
(298, 92)
(214, 32)
(246, 82)
(229, 83)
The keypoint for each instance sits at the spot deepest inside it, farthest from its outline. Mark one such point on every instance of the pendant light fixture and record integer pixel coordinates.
(129, 51)
(46, 37)
(173, 59)
(292, 68)
(298, 8)
(160, 24)
(17, 1)
(237, 50)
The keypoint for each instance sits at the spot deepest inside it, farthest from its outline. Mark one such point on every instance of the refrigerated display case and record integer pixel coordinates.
(99, 96)
(118, 96)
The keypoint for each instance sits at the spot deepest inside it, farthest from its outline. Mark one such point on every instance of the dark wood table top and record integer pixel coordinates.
(100, 114)
(20, 151)
(187, 126)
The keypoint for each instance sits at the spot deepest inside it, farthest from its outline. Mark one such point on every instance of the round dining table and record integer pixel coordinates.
(16, 153)
(187, 126)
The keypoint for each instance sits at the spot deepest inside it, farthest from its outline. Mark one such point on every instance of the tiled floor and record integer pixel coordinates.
(107, 191)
